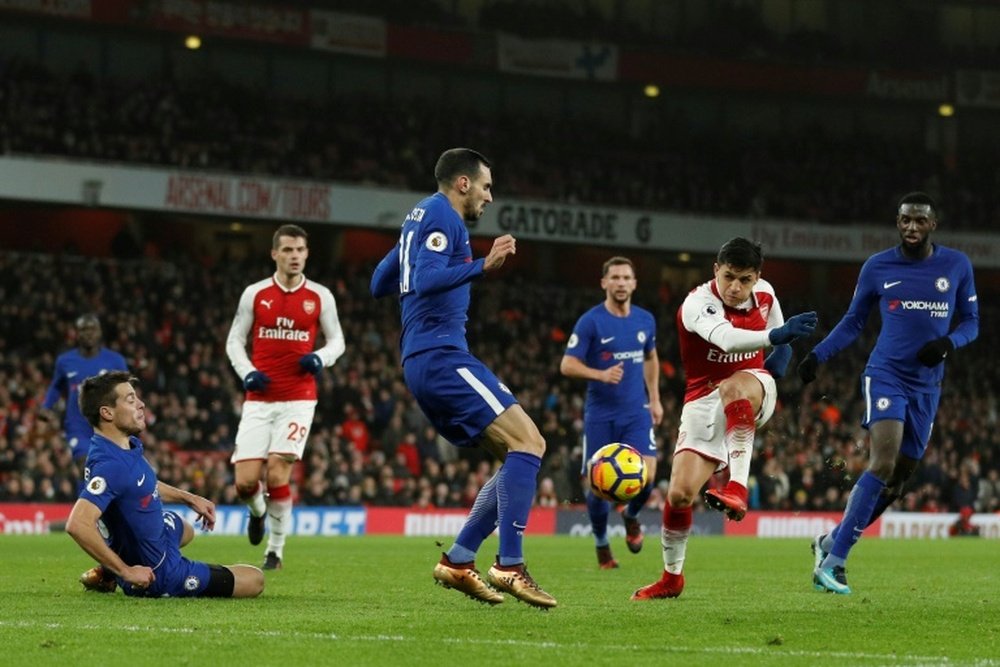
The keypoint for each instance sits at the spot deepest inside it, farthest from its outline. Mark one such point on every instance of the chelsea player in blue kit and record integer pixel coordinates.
(431, 270)
(72, 367)
(613, 347)
(141, 550)
(920, 288)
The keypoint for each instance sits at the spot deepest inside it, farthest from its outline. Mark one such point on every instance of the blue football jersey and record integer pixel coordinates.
(71, 370)
(601, 340)
(918, 299)
(123, 485)
(431, 269)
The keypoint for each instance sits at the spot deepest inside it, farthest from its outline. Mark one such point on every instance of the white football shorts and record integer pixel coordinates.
(703, 421)
(281, 427)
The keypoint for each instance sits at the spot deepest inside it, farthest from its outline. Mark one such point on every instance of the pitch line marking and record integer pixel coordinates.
(884, 658)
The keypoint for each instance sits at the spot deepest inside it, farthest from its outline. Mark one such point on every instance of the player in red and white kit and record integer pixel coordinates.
(279, 317)
(724, 326)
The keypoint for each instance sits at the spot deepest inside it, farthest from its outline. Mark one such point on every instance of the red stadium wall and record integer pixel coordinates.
(79, 231)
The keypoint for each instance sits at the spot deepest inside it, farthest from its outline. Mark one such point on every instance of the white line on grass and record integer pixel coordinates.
(884, 658)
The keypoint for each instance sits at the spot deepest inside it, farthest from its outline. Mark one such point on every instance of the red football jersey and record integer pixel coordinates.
(703, 314)
(281, 326)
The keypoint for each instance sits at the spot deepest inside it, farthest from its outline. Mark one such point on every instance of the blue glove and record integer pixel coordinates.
(777, 362)
(311, 363)
(256, 381)
(802, 324)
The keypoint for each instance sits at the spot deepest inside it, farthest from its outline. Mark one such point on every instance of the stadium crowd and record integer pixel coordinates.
(371, 444)
(665, 164)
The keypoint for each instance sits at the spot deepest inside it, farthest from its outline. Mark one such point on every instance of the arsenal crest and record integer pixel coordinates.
(309, 306)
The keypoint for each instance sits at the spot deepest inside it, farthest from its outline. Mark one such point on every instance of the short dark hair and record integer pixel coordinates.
(617, 260)
(100, 390)
(741, 253)
(288, 230)
(456, 162)
(918, 198)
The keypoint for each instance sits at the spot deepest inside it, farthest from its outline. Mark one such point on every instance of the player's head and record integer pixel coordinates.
(464, 175)
(618, 279)
(916, 218)
(88, 331)
(737, 270)
(289, 250)
(109, 403)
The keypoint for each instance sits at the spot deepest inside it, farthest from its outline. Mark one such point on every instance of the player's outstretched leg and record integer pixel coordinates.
(514, 579)
(465, 578)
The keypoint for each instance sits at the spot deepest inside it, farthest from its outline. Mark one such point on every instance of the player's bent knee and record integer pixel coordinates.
(679, 498)
(248, 581)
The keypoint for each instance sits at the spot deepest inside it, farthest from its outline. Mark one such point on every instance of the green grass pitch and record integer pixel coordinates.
(371, 601)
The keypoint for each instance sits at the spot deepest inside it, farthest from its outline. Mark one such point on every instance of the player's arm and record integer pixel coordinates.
(236, 341)
(853, 322)
(651, 374)
(82, 527)
(706, 319)
(385, 279)
(572, 364)
(332, 331)
(966, 329)
(431, 273)
(203, 507)
(967, 305)
(56, 390)
(573, 367)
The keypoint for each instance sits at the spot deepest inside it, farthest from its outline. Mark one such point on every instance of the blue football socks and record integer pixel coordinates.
(481, 522)
(598, 510)
(636, 504)
(516, 491)
(881, 506)
(860, 506)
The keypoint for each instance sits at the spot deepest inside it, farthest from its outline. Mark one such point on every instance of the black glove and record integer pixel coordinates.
(802, 324)
(311, 363)
(934, 352)
(807, 368)
(256, 381)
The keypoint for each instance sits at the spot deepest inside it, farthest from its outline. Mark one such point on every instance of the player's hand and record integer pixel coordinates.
(934, 352)
(256, 381)
(795, 326)
(311, 363)
(139, 576)
(614, 374)
(205, 509)
(656, 412)
(807, 368)
(502, 247)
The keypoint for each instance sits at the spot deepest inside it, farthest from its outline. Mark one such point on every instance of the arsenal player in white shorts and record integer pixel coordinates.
(724, 326)
(279, 317)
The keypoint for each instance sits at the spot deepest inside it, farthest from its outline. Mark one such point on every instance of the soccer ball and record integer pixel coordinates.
(616, 472)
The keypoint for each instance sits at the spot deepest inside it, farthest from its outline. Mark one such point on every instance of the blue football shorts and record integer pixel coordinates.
(457, 392)
(636, 432)
(890, 400)
(176, 576)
